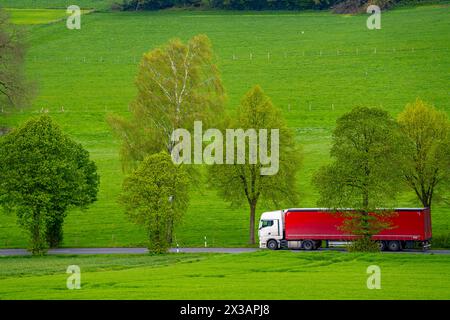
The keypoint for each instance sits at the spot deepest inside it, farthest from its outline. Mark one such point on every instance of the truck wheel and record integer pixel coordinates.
(272, 244)
(394, 245)
(308, 245)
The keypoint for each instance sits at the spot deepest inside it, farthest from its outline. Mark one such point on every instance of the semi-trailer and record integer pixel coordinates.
(311, 228)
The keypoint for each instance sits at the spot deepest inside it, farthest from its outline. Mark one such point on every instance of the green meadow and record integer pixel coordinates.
(314, 65)
(58, 4)
(294, 275)
(37, 16)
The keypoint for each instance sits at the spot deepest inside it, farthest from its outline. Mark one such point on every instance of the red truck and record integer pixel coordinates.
(308, 228)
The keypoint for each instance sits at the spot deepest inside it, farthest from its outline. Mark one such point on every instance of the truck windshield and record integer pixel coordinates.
(266, 223)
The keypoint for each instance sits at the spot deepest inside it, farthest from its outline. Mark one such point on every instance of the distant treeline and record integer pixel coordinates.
(228, 4)
(259, 4)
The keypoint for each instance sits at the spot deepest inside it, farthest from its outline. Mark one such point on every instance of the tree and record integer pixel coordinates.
(43, 173)
(155, 195)
(88, 194)
(13, 87)
(426, 132)
(177, 84)
(245, 183)
(365, 172)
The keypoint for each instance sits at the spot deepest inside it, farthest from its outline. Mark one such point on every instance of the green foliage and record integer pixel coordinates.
(340, 6)
(244, 183)
(155, 195)
(383, 4)
(426, 133)
(177, 84)
(350, 6)
(158, 4)
(228, 4)
(365, 173)
(363, 244)
(43, 173)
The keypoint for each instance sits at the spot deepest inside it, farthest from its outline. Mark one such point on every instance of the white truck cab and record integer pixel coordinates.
(270, 230)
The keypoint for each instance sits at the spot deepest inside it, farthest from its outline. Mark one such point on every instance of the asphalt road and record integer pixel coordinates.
(23, 252)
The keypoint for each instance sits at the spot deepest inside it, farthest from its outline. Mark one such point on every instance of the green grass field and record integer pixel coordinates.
(324, 275)
(51, 4)
(37, 16)
(314, 65)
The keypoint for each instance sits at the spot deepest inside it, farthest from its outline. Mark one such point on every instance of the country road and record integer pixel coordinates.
(23, 252)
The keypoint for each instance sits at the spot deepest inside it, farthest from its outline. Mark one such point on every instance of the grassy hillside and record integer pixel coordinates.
(314, 65)
(325, 275)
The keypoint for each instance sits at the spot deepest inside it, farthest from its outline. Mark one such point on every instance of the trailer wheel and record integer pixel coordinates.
(382, 245)
(308, 245)
(394, 245)
(272, 244)
(317, 244)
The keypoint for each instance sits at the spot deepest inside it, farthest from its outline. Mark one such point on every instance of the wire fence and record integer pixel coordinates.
(292, 105)
(249, 55)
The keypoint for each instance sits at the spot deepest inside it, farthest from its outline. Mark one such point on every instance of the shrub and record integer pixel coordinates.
(363, 245)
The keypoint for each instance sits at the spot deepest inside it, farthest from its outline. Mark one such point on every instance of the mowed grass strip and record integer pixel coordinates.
(56, 4)
(315, 66)
(24, 266)
(37, 16)
(260, 275)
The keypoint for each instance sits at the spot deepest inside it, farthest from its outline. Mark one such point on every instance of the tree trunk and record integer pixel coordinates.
(37, 243)
(170, 231)
(365, 228)
(54, 230)
(252, 223)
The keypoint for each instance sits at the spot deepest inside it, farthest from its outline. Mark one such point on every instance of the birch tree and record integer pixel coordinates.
(176, 84)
